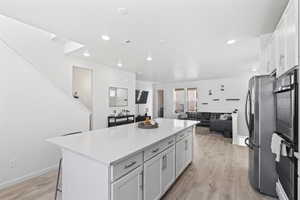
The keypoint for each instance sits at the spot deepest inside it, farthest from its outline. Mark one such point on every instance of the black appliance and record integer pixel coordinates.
(141, 97)
(286, 104)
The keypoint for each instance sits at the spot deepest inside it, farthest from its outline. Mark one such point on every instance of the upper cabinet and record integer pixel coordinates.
(279, 50)
(268, 56)
(292, 31)
(286, 39)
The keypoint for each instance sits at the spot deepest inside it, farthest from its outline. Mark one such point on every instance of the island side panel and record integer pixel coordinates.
(83, 178)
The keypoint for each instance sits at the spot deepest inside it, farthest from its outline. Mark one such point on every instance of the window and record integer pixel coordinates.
(179, 100)
(192, 99)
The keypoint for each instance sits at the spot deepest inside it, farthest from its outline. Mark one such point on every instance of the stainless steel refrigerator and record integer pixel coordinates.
(260, 119)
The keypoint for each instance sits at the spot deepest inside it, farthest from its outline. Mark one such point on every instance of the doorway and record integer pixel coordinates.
(160, 103)
(82, 88)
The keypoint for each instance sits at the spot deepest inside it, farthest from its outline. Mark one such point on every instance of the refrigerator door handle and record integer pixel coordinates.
(246, 110)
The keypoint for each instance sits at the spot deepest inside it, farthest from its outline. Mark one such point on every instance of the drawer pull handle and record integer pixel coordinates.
(164, 162)
(186, 145)
(130, 165)
(155, 150)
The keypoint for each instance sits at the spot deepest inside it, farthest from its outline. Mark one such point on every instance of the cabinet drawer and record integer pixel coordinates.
(157, 148)
(123, 167)
(184, 134)
(167, 143)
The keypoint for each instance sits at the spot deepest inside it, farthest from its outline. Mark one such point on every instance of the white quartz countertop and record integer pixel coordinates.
(112, 144)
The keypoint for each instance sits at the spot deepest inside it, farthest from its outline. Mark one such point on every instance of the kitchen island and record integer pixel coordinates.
(125, 162)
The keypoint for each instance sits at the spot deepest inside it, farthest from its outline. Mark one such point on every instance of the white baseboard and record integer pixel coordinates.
(27, 177)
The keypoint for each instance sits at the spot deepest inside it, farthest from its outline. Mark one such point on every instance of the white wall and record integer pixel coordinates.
(35, 103)
(234, 88)
(32, 109)
(109, 77)
(147, 86)
(36, 46)
(103, 78)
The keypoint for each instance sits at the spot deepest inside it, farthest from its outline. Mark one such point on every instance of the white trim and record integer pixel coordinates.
(27, 177)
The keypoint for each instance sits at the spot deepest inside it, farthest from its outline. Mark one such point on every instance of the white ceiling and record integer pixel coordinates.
(194, 32)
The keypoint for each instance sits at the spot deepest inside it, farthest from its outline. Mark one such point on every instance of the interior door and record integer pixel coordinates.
(152, 178)
(160, 103)
(168, 168)
(130, 187)
(82, 86)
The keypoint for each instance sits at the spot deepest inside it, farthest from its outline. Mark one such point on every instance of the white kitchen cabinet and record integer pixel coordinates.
(286, 39)
(159, 174)
(129, 187)
(281, 46)
(267, 54)
(272, 53)
(168, 168)
(184, 153)
(152, 178)
(189, 150)
(124, 172)
(180, 157)
(292, 34)
(267, 57)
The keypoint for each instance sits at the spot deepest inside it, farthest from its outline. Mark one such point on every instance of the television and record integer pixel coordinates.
(141, 96)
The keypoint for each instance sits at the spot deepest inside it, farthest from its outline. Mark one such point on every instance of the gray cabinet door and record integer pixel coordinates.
(168, 168)
(152, 178)
(180, 157)
(130, 187)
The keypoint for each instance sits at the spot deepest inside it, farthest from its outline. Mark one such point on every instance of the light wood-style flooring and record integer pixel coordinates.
(218, 172)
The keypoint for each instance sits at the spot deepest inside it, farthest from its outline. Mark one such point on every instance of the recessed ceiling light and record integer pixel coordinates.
(86, 53)
(231, 41)
(52, 36)
(120, 64)
(149, 58)
(123, 11)
(105, 37)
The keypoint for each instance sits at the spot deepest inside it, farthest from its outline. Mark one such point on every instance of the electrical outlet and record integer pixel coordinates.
(12, 163)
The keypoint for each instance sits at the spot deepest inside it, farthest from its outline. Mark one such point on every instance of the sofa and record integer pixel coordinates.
(222, 126)
(215, 121)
